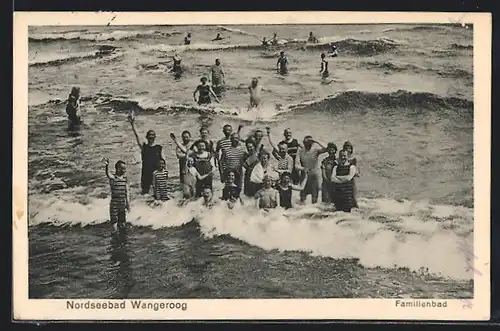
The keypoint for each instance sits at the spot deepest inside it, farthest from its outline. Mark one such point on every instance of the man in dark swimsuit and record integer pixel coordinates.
(177, 68)
(151, 155)
(218, 37)
(187, 39)
(282, 64)
(204, 90)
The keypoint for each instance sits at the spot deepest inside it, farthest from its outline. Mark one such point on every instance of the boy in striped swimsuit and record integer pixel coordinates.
(160, 177)
(120, 200)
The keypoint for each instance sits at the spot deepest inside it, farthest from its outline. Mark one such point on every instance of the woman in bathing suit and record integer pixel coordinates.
(285, 188)
(204, 91)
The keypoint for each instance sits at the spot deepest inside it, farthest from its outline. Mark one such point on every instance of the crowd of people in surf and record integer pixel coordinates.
(244, 168)
(243, 165)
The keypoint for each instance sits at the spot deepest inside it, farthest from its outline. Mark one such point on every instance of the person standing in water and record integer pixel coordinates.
(292, 148)
(327, 165)
(274, 39)
(312, 38)
(285, 189)
(151, 154)
(280, 153)
(187, 39)
(73, 108)
(207, 199)
(210, 146)
(255, 90)
(234, 157)
(180, 151)
(265, 43)
(282, 64)
(261, 170)
(218, 77)
(222, 145)
(204, 91)
(307, 160)
(120, 198)
(177, 67)
(231, 192)
(324, 66)
(342, 177)
(160, 183)
(267, 197)
(334, 51)
(348, 147)
(251, 159)
(191, 180)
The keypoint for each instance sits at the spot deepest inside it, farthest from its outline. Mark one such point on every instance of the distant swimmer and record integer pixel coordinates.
(255, 98)
(218, 76)
(73, 108)
(324, 66)
(274, 39)
(187, 39)
(265, 42)
(334, 51)
(204, 91)
(282, 64)
(312, 38)
(177, 68)
(120, 198)
(218, 37)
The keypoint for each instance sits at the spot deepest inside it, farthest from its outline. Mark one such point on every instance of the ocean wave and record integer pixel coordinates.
(342, 101)
(460, 46)
(97, 36)
(346, 46)
(382, 233)
(104, 51)
(417, 28)
(392, 66)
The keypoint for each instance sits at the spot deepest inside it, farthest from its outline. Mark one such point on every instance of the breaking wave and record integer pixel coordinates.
(382, 233)
(76, 35)
(107, 52)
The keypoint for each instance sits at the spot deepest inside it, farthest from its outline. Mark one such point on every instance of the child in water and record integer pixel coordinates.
(231, 192)
(191, 177)
(73, 107)
(204, 91)
(120, 200)
(255, 90)
(160, 177)
(267, 197)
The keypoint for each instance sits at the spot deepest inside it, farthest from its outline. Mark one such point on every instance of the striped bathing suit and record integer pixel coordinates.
(284, 162)
(233, 160)
(160, 185)
(118, 202)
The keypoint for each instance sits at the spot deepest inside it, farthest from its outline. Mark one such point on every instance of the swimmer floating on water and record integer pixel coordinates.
(204, 91)
(218, 37)
(187, 39)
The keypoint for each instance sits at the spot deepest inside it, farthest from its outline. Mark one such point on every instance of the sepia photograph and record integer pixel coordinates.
(174, 161)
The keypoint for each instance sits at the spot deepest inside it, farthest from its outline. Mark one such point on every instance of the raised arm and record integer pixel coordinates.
(323, 148)
(183, 149)
(273, 146)
(106, 168)
(298, 164)
(131, 119)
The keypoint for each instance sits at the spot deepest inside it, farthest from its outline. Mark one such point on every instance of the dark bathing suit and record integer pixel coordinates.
(151, 155)
(204, 97)
(344, 191)
(327, 187)
(249, 187)
(283, 65)
(231, 193)
(293, 147)
(285, 196)
(177, 69)
(203, 165)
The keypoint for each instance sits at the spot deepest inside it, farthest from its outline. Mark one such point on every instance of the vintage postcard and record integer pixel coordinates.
(257, 165)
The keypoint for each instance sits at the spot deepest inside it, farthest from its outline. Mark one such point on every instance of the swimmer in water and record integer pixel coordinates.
(312, 38)
(265, 42)
(218, 77)
(204, 91)
(255, 90)
(334, 51)
(207, 198)
(324, 66)
(282, 64)
(73, 108)
(218, 37)
(267, 197)
(187, 39)
(177, 68)
(120, 193)
(274, 40)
